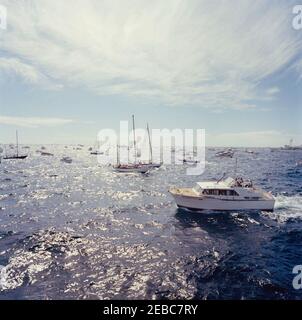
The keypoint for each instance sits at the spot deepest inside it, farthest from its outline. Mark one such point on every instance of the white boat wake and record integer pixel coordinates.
(286, 208)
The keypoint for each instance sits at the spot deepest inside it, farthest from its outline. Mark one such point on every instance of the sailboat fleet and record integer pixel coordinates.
(223, 195)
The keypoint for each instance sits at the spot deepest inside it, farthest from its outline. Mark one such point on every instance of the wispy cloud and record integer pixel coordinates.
(207, 53)
(272, 91)
(13, 67)
(34, 122)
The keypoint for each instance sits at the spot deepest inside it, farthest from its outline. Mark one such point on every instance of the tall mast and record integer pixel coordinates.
(128, 150)
(150, 144)
(134, 139)
(118, 154)
(17, 143)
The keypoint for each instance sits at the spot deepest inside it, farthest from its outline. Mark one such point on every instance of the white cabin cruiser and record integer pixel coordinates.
(225, 195)
(225, 153)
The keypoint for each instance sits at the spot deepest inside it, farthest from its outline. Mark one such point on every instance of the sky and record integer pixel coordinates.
(71, 68)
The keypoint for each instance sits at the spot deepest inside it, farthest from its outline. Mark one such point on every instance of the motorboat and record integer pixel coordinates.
(190, 160)
(96, 150)
(15, 157)
(223, 195)
(96, 153)
(225, 153)
(290, 146)
(45, 153)
(66, 160)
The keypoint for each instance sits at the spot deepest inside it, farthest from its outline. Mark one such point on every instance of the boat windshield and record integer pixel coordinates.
(197, 188)
(238, 182)
(229, 181)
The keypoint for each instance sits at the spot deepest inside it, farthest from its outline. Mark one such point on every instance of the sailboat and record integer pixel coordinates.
(15, 156)
(96, 151)
(131, 167)
(290, 146)
(188, 160)
(151, 164)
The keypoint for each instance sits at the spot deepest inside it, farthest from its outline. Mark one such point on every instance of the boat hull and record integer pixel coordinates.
(212, 204)
(132, 170)
(15, 158)
(153, 165)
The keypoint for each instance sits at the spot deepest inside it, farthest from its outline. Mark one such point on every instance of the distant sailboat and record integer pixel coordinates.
(96, 151)
(290, 146)
(151, 164)
(131, 167)
(16, 156)
(188, 160)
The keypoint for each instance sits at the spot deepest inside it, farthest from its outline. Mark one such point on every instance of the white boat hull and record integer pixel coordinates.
(213, 204)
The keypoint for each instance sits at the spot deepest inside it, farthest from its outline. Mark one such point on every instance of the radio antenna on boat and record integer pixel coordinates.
(236, 165)
(221, 178)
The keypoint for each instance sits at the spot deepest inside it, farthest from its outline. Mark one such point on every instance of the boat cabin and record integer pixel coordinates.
(227, 188)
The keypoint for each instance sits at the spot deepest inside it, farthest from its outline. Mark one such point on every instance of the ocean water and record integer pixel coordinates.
(81, 231)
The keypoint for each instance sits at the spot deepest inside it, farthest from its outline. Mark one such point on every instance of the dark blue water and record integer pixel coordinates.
(81, 231)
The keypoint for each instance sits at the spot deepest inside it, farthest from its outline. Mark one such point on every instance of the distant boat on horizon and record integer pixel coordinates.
(17, 156)
(66, 160)
(290, 146)
(229, 153)
(96, 151)
(44, 153)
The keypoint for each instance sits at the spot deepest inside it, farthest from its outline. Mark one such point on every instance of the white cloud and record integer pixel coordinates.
(16, 67)
(27, 73)
(272, 91)
(208, 53)
(33, 122)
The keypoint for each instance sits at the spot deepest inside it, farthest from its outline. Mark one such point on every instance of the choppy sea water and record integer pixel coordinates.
(81, 231)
